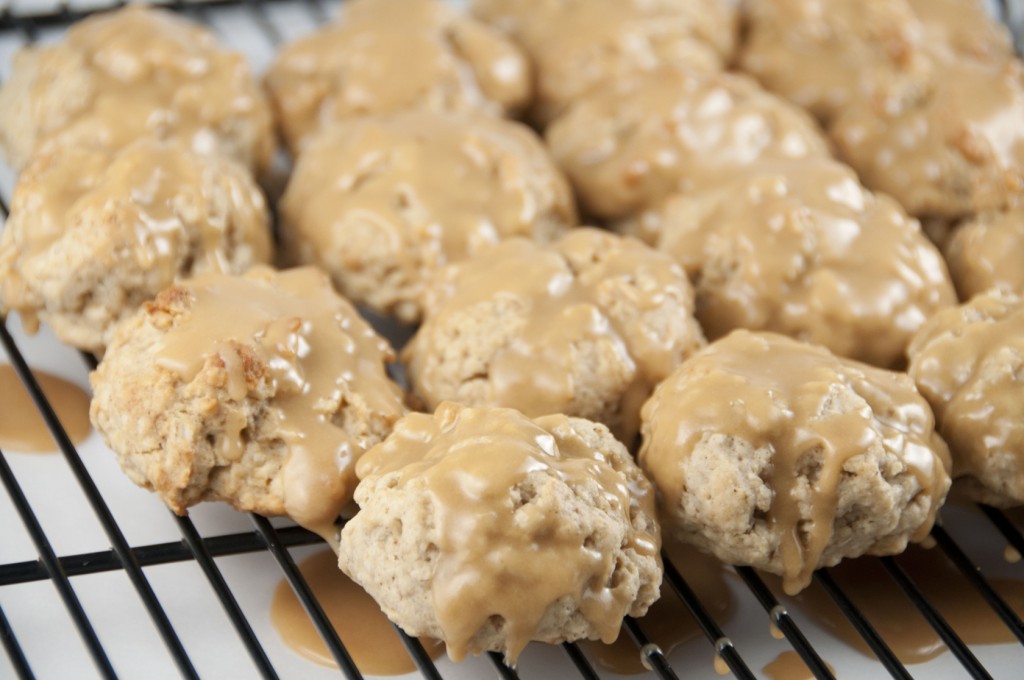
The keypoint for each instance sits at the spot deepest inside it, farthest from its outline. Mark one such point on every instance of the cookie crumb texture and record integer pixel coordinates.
(135, 72)
(382, 203)
(486, 529)
(634, 142)
(585, 326)
(93, 234)
(985, 252)
(261, 391)
(776, 454)
(577, 46)
(799, 247)
(385, 56)
(969, 363)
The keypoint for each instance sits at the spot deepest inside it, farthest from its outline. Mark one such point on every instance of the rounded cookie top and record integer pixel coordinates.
(775, 453)
(800, 248)
(947, 150)
(969, 362)
(259, 390)
(92, 234)
(577, 45)
(985, 252)
(585, 326)
(825, 54)
(135, 72)
(486, 529)
(383, 56)
(632, 143)
(381, 203)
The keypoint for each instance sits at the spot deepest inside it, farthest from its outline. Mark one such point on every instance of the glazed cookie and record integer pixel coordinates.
(800, 248)
(384, 56)
(93, 234)
(586, 326)
(969, 362)
(486, 529)
(825, 54)
(135, 72)
(632, 143)
(577, 45)
(985, 252)
(381, 203)
(259, 390)
(774, 453)
(945, 151)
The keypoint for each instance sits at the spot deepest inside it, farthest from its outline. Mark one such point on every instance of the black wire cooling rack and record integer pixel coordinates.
(62, 570)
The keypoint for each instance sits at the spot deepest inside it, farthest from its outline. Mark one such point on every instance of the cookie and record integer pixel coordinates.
(985, 252)
(774, 453)
(486, 529)
(93, 234)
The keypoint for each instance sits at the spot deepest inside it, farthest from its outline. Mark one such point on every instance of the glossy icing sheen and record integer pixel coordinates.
(492, 559)
(383, 56)
(314, 348)
(776, 393)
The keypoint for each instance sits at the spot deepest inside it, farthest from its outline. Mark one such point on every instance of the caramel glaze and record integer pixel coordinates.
(588, 287)
(799, 247)
(789, 666)
(985, 253)
(367, 634)
(668, 623)
(384, 56)
(778, 394)
(906, 632)
(138, 72)
(968, 363)
(22, 427)
(316, 350)
(494, 560)
(154, 208)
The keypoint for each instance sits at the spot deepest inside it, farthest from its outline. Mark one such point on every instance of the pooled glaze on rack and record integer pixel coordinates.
(293, 330)
(21, 425)
(497, 557)
(789, 666)
(781, 396)
(904, 629)
(136, 72)
(590, 302)
(668, 623)
(799, 247)
(369, 637)
(384, 56)
(969, 363)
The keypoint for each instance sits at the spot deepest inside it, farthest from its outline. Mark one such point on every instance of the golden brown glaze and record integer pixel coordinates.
(586, 326)
(310, 342)
(632, 143)
(836, 451)
(986, 252)
(384, 56)
(801, 248)
(506, 542)
(579, 45)
(22, 427)
(945, 150)
(136, 72)
(368, 636)
(382, 203)
(92, 234)
(969, 362)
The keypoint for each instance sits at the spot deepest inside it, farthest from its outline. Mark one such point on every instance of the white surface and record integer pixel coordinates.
(54, 649)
